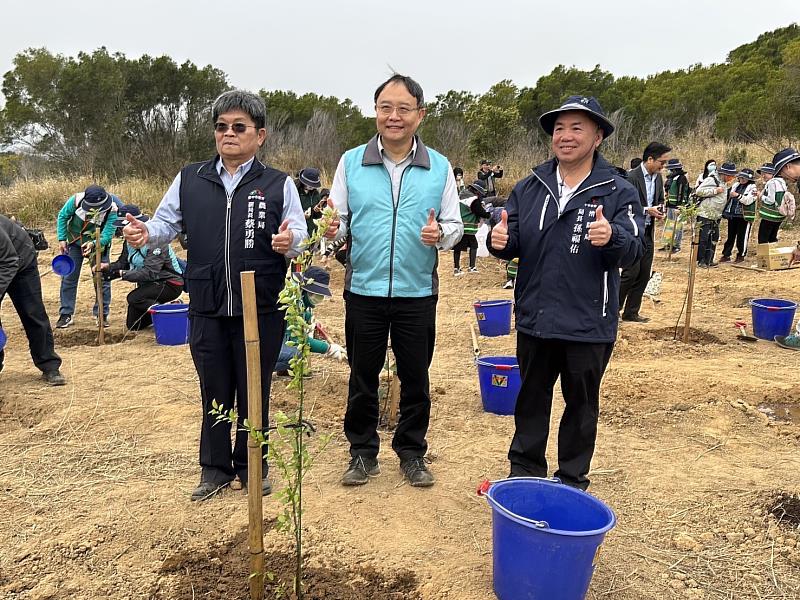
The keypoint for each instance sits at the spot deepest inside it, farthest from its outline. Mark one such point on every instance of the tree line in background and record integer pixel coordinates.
(105, 114)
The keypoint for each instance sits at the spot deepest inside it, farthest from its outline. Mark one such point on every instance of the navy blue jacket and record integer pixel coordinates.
(566, 288)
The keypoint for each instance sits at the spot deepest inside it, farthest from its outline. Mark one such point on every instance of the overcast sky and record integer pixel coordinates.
(347, 48)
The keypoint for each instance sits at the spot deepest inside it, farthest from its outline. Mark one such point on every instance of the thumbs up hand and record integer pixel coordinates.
(282, 241)
(135, 232)
(500, 232)
(333, 228)
(599, 229)
(431, 233)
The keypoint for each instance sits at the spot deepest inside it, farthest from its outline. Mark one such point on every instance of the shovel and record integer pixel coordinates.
(742, 327)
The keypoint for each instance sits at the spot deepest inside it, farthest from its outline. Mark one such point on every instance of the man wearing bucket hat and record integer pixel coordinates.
(238, 215)
(315, 286)
(77, 221)
(713, 192)
(19, 278)
(741, 196)
(573, 223)
(308, 184)
(776, 202)
(155, 270)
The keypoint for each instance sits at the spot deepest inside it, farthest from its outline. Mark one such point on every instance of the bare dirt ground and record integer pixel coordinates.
(95, 476)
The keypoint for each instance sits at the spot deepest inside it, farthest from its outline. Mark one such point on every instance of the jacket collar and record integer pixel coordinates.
(602, 173)
(372, 154)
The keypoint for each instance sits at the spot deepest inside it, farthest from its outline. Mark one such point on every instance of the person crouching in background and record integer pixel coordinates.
(156, 272)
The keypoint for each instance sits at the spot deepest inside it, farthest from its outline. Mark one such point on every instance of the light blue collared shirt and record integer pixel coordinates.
(650, 187)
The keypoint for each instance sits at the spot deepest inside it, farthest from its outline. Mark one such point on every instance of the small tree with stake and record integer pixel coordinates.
(285, 447)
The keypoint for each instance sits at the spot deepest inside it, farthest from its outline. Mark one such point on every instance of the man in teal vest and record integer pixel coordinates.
(398, 205)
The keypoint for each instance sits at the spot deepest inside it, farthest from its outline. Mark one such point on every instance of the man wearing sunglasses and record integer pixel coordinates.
(238, 215)
(398, 205)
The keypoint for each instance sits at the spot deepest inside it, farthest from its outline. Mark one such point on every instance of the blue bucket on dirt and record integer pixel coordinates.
(62, 265)
(494, 317)
(772, 316)
(546, 538)
(3, 338)
(499, 379)
(171, 323)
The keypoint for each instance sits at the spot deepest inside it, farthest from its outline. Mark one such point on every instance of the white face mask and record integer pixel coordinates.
(712, 168)
(315, 299)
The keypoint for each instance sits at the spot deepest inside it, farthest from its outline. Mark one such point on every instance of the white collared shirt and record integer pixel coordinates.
(565, 192)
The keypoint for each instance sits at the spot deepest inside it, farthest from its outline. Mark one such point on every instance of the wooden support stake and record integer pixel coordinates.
(254, 453)
(98, 289)
(476, 351)
(692, 273)
(393, 391)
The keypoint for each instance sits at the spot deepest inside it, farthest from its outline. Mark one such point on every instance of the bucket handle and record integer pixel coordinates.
(485, 485)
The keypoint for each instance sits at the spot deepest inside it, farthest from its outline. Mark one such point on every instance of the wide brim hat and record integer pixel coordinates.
(96, 198)
(478, 187)
(783, 158)
(767, 168)
(129, 209)
(728, 168)
(588, 104)
(747, 174)
(310, 177)
(674, 164)
(315, 280)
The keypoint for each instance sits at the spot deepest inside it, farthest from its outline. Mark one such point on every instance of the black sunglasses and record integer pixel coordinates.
(237, 127)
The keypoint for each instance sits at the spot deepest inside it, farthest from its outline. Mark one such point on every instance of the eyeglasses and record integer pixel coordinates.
(237, 127)
(388, 109)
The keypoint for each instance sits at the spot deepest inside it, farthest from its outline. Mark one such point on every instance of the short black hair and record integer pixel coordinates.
(635, 162)
(412, 86)
(458, 171)
(247, 102)
(654, 150)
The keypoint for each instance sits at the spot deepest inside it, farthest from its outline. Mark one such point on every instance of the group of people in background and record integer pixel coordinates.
(578, 236)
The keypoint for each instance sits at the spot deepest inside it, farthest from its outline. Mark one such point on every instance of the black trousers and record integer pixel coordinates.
(143, 297)
(581, 366)
(634, 278)
(217, 346)
(25, 291)
(467, 242)
(369, 323)
(709, 236)
(768, 231)
(738, 232)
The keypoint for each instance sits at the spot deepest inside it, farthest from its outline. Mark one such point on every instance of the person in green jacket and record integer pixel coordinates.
(77, 221)
(315, 285)
(308, 183)
(472, 211)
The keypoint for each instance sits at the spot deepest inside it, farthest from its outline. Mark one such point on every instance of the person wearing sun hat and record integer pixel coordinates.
(155, 270)
(786, 165)
(308, 183)
(315, 283)
(77, 221)
(713, 193)
(573, 223)
(677, 191)
(741, 197)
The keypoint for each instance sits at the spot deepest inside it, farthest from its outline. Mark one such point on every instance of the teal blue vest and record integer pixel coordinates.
(387, 258)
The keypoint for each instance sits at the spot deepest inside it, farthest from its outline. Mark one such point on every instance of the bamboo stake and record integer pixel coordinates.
(476, 351)
(692, 273)
(254, 453)
(98, 288)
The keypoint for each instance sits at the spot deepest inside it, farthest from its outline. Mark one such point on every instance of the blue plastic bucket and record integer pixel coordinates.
(3, 338)
(494, 317)
(499, 379)
(546, 538)
(771, 317)
(171, 323)
(62, 265)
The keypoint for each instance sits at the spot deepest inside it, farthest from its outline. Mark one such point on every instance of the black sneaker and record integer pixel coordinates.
(359, 471)
(207, 489)
(54, 377)
(416, 471)
(64, 321)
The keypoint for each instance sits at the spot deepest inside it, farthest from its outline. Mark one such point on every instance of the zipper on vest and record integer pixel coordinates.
(395, 207)
(228, 251)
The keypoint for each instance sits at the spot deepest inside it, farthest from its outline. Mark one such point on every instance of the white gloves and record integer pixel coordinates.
(337, 352)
